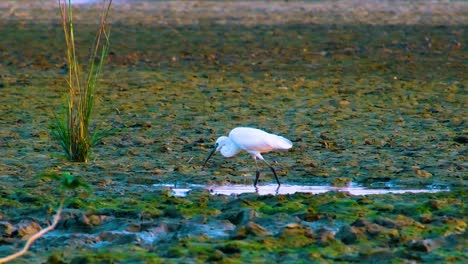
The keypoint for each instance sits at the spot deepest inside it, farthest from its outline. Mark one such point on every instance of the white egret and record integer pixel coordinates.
(252, 140)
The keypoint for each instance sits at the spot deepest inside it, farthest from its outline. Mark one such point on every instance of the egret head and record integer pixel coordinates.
(220, 143)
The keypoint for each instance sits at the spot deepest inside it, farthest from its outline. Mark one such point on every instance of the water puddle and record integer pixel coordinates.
(84, 2)
(273, 189)
(90, 2)
(115, 231)
(116, 234)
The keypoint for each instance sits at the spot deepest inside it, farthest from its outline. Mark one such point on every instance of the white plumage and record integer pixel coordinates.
(252, 140)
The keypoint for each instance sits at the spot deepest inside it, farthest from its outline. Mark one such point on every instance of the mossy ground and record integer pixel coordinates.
(373, 104)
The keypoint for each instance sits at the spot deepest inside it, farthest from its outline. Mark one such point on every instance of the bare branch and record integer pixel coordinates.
(34, 237)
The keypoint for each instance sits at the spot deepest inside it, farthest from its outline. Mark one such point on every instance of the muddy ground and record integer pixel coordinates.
(369, 92)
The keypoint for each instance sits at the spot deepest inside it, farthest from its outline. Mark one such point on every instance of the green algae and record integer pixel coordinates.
(373, 104)
(296, 242)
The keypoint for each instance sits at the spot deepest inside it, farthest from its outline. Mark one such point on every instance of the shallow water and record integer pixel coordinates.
(82, 2)
(274, 189)
(90, 2)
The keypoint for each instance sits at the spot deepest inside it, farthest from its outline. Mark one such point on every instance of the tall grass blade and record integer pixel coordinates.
(72, 131)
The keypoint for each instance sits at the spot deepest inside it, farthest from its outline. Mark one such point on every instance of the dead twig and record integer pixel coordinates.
(34, 237)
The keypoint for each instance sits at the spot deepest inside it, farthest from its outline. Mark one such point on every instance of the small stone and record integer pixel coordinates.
(347, 234)
(297, 235)
(27, 228)
(134, 227)
(435, 204)
(425, 218)
(376, 255)
(147, 124)
(6, 229)
(461, 139)
(426, 245)
(95, 220)
(344, 102)
(458, 224)
(241, 233)
(118, 238)
(374, 229)
(217, 256)
(253, 229)
(55, 258)
(365, 200)
(423, 173)
(361, 222)
(159, 230)
(384, 207)
(391, 234)
(294, 229)
(91, 220)
(257, 230)
(325, 237)
(386, 222)
(165, 149)
(241, 217)
(340, 182)
(402, 221)
(310, 215)
(229, 249)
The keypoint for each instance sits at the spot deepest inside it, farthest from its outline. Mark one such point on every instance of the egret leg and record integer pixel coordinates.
(272, 170)
(277, 190)
(257, 173)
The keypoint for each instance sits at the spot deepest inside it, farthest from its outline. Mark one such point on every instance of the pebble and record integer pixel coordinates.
(27, 228)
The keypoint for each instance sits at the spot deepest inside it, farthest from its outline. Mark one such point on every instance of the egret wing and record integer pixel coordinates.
(256, 140)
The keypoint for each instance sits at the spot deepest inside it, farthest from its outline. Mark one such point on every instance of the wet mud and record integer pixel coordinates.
(371, 100)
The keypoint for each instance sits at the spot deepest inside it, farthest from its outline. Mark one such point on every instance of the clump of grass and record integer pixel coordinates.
(72, 131)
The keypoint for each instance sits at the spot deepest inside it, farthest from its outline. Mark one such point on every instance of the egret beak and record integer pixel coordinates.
(211, 154)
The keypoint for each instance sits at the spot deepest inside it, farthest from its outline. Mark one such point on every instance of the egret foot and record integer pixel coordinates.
(257, 175)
